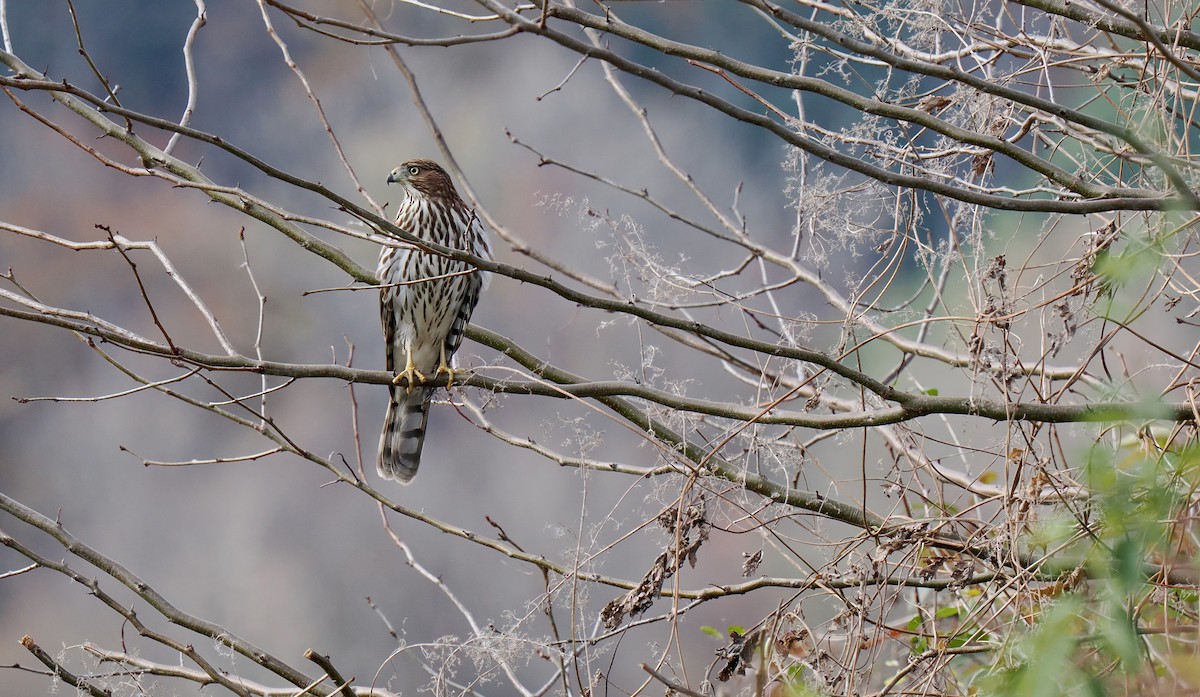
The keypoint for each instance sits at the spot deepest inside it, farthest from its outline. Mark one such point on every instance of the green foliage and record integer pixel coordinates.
(1086, 636)
(951, 627)
(1122, 275)
(1038, 663)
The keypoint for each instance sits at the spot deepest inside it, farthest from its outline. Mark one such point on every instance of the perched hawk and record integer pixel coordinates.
(425, 306)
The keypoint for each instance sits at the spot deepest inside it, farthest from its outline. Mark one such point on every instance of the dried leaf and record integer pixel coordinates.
(638, 600)
(738, 653)
(751, 564)
(933, 103)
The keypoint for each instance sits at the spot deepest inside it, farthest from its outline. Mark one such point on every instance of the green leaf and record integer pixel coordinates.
(962, 638)
(1127, 563)
(1044, 667)
(1119, 632)
(919, 645)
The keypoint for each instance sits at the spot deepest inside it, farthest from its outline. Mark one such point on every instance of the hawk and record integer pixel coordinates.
(425, 305)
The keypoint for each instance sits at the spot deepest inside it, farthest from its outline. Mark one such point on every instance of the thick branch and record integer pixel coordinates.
(568, 385)
(1185, 199)
(1115, 25)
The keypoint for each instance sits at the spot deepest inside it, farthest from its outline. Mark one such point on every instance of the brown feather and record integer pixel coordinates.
(426, 305)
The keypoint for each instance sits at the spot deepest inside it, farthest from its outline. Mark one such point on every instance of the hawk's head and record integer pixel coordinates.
(423, 178)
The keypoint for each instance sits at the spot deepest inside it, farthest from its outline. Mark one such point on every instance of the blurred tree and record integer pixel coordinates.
(909, 409)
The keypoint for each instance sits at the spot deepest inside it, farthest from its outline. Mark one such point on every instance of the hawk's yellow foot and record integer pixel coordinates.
(444, 367)
(410, 373)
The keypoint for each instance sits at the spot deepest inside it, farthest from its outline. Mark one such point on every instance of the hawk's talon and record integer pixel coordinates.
(444, 368)
(409, 374)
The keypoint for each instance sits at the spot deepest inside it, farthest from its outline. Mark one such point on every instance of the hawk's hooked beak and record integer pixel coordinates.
(393, 178)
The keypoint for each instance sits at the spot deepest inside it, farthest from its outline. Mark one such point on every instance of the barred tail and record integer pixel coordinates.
(404, 434)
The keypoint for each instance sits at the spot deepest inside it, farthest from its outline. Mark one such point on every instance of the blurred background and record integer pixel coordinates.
(262, 547)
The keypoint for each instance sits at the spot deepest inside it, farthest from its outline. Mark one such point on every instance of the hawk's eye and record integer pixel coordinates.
(414, 171)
